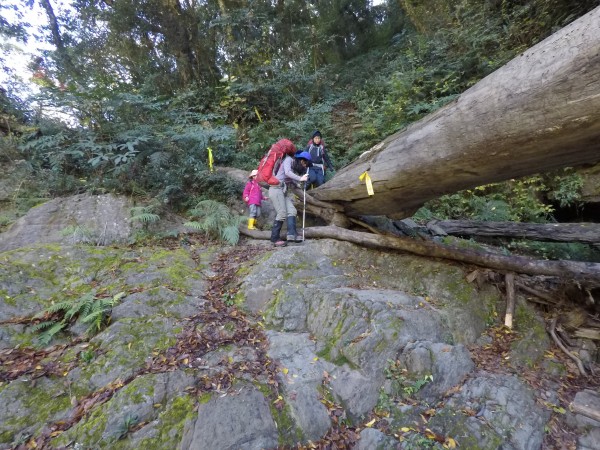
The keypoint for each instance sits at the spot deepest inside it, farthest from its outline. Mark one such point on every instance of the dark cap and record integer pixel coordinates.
(316, 133)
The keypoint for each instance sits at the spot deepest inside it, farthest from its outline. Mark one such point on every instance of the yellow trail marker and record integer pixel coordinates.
(367, 179)
(210, 159)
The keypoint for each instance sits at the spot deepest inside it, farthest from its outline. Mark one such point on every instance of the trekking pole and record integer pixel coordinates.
(304, 206)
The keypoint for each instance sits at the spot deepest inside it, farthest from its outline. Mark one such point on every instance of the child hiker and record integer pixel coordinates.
(253, 196)
(320, 160)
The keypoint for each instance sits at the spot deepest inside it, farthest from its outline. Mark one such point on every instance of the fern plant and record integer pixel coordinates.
(78, 234)
(217, 221)
(89, 309)
(144, 215)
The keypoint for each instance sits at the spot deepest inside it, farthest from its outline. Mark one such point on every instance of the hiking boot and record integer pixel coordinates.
(299, 239)
(275, 230)
(280, 244)
(291, 238)
(291, 228)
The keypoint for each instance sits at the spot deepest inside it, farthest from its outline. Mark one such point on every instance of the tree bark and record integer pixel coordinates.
(583, 272)
(539, 112)
(588, 233)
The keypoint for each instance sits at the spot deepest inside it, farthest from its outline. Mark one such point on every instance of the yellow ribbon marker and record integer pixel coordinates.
(367, 179)
(257, 114)
(210, 159)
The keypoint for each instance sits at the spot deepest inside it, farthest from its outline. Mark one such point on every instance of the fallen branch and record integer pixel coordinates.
(548, 299)
(583, 272)
(586, 409)
(558, 342)
(510, 299)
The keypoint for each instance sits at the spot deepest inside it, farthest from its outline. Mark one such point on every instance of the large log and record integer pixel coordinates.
(539, 112)
(588, 233)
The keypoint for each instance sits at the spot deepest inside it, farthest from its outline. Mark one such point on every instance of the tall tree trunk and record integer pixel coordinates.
(539, 112)
(64, 60)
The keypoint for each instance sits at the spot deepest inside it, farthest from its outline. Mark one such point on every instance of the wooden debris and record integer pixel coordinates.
(587, 403)
(558, 342)
(509, 281)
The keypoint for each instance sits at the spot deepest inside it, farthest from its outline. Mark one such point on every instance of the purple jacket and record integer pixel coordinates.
(253, 192)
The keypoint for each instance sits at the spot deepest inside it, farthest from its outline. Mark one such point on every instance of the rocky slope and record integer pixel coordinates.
(314, 345)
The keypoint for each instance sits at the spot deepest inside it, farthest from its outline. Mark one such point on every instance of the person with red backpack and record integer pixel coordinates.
(278, 194)
(320, 160)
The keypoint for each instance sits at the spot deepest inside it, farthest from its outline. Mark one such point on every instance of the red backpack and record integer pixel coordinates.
(270, 163)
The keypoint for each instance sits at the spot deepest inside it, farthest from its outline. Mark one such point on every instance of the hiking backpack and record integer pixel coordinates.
(270, 163)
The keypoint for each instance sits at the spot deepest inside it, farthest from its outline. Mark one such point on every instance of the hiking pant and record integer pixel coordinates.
(281, 202)
(254, 211)
(316, 176)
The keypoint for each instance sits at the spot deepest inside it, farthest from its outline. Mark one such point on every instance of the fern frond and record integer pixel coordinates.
(117, 297)
(195, 225)
(42, 325)
(146, 218)
(159, 158)
(82, 303)
(231, 235)
(60, 306)
(94, 319)
(47, 335)
(86, 308)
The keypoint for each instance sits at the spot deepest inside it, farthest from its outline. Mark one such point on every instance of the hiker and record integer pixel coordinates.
(320, 160)
(253, 197)
(282, 203)
(302, 162)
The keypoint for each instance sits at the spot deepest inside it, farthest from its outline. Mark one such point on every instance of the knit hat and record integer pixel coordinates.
(316, 133)
(253, 173)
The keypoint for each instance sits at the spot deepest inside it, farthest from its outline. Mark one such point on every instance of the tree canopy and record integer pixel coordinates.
(147, 86)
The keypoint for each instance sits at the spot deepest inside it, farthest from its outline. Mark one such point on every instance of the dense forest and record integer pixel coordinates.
(128, 96)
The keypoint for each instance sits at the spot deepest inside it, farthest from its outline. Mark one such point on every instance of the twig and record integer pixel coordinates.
(558, 342)
(365, 225)
(535, 292)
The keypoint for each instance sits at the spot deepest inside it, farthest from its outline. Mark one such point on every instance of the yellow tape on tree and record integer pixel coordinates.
(257, 114)
(210, 159)
(367, 179)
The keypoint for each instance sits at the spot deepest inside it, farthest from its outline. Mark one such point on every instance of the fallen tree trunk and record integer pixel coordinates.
(588, 233)
(539, 112)
(583, 272)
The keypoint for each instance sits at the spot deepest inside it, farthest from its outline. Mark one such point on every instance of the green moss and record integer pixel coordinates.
(239, 299)
(289, 433)
(40, 404)
(205, 398)
(88, 431)
(171, 423)
(342, 360)
(139, 389)
(53, 400)
(278, 297)
(243, 271)
(381, 345)
(460, 290)
(7, 299)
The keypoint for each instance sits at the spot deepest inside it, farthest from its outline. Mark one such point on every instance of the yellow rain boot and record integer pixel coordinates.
(251, 223)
